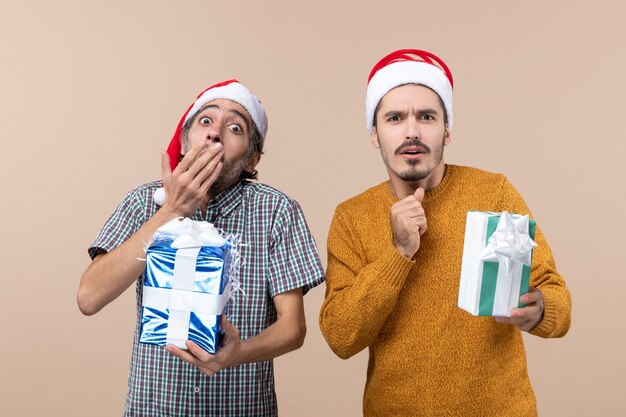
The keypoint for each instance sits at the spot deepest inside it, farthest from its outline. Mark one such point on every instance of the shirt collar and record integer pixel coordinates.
(228, 200)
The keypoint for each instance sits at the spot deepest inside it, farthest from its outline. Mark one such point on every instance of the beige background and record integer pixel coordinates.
(90, 91)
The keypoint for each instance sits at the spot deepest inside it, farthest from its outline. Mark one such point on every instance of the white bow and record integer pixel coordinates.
(186, 233)
(510, 242)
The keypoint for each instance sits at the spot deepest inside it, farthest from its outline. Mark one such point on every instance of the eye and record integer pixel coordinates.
(204, 121)
(235, 128)
(394, 119)
(427, 117)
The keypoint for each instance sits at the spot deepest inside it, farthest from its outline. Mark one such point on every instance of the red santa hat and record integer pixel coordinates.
(232, 90)
(408, 66)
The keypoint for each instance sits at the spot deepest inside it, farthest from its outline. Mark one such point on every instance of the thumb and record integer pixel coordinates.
(419, 194)
(229, 329)
(166, 170)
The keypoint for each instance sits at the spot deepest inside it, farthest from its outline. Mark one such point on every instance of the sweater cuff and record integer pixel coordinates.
(395, 267)
(548, 323)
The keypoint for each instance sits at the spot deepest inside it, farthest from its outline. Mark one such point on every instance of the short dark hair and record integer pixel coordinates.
(443, 106)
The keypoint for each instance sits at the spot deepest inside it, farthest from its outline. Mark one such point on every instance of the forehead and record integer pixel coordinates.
(224, 105)
(411, 94)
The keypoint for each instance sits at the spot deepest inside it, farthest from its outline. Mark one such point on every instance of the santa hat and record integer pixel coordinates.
(232, 90)
(408, 66)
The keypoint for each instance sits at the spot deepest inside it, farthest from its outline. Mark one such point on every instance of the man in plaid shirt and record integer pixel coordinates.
(218, 142)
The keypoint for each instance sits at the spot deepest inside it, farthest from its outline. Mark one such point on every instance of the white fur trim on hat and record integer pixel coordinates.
(239, 94)
(406, 72)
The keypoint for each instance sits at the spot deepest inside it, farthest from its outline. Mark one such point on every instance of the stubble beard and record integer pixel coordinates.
(415, 172)
(230, 175)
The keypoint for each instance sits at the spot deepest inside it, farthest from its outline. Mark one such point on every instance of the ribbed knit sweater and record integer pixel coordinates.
(427, 357)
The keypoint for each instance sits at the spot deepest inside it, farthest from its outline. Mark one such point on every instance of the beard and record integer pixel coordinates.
(417, 171)
(230, 175)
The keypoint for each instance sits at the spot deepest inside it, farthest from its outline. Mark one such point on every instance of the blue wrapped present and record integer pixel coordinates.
(190, 269)
(497, 254)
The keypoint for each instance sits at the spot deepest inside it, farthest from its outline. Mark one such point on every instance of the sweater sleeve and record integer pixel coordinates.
(543, 275)
(359, 295)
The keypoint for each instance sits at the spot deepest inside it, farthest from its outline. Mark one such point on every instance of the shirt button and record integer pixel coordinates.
(196, 390)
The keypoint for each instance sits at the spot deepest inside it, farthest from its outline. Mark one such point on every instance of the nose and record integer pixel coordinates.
(214, 132)
(412, 129)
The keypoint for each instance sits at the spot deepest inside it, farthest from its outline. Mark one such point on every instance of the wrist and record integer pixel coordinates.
(407, 253)
(167, 213)
(238, 355)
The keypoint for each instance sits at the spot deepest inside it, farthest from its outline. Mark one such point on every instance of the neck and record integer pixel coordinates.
(402, 188)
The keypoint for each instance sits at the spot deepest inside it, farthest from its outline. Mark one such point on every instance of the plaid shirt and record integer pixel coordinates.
(279, 254)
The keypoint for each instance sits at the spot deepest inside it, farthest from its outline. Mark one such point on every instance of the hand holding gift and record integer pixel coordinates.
(226, 356)
(526, 318)
(408, 223)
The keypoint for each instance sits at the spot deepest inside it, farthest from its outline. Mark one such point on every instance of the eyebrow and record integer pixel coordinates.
(394, 113)
(402, 112)
(428, 111)
(236, 112)
(240, 114)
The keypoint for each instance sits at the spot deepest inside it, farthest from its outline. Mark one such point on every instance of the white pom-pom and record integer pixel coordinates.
(159, 196)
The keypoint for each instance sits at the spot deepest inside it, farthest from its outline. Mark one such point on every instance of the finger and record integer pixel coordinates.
(189, 158)
(409, 207)
(228, 327)
(215, 151)
(515, 321)
(401, 205)
(504, 320)
(423, 225)
(419, 194)
(417, 211)
(183, 354)
(532, 296)
(519, 312)
(530, 312)
(166, 170)
(209, 181)
(207, 371)
(232, 333)
(207, 170)
(409, 201)
(198, 352)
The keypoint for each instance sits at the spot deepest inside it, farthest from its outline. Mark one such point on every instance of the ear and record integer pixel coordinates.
(254, 160)
(446, 137)
(182, 145)
(375, 142)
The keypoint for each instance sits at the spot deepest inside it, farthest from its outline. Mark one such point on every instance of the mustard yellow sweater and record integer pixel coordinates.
(427, 357)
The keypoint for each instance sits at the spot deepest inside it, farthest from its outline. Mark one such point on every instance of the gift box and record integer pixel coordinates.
(190, 270)
(497, 255)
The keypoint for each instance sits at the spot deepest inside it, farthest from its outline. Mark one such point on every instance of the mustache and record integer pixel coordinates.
(412, 142)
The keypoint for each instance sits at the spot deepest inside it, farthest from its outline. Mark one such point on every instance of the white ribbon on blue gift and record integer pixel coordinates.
(187, 237)
(511, 246)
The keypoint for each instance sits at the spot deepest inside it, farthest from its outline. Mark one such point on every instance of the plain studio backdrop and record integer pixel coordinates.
(91, 91)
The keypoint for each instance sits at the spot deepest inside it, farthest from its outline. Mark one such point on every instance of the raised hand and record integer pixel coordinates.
(408, 223)
(187, 186)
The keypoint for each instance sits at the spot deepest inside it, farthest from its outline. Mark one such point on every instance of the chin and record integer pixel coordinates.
(413, 176)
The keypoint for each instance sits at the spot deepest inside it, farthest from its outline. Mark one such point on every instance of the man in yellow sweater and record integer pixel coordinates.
(394, 262)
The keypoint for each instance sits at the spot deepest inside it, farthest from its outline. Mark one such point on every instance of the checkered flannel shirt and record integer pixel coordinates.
(279, 254)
